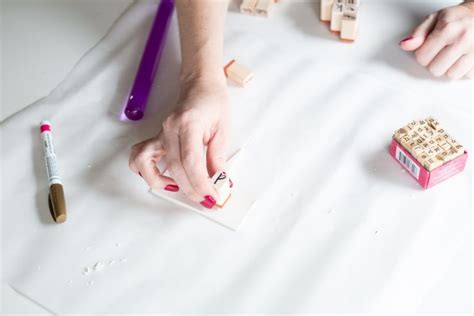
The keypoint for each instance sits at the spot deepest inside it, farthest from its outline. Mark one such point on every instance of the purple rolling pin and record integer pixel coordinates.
(141, 88)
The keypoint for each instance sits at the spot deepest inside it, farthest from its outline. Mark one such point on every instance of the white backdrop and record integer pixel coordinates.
(337, 227)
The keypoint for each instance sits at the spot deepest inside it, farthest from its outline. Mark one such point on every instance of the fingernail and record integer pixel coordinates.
(208, 201)
(172, 188)
(231, 184)
(140, 174)
(406, 39)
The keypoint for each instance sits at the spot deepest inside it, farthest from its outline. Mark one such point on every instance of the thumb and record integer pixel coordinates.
(417, 38)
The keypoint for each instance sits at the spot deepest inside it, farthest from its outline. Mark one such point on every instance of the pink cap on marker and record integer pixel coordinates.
(45, 126)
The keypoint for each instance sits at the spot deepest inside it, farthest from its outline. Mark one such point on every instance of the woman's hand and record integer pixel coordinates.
(202, 119)
(443, 42)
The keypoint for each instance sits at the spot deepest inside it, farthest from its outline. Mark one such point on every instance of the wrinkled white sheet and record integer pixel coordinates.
(338, 227)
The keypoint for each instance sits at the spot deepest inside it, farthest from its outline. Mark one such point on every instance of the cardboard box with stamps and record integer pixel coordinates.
(428, 152)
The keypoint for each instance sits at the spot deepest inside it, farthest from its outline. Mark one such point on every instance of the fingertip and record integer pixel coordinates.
(406, 39)
(410, 43)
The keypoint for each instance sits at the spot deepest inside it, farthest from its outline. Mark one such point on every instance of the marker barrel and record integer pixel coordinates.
(57, 202)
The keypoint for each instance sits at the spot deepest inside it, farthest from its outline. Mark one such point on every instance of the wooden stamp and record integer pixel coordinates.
(248, 7)
(238, 73)
(350, 20)
(432, 163)
(263, 7)
(223, 185)
(326, 10)
(336, 15)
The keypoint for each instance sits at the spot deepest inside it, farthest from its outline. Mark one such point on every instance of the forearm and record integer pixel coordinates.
(201, 28)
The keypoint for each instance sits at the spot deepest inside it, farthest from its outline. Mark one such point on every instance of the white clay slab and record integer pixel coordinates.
(235, 210)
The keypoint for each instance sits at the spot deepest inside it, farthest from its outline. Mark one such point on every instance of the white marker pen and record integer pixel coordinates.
(57, 203)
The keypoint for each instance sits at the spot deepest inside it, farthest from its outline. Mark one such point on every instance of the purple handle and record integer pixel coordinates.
(141, 88)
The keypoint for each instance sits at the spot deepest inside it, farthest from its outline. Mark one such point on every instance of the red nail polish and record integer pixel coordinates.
(406, 39)
(140, 174)
(172, 188)
(208, 201)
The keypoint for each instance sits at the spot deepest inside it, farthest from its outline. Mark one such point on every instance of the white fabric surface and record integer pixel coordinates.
(337, 227)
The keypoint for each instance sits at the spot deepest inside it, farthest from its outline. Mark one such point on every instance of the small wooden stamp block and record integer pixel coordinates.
(336, 15)
(223, 185)
(432, 162)
(326, 10)
(399, 134)
(445, 145)
(263, 7)
(350, 20)
(248, 7)
(238, 73)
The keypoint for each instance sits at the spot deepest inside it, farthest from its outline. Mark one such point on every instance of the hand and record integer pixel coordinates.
(202, 118)
(443, 42)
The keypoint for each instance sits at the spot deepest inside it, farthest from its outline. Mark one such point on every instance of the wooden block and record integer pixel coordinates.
(422, 123)
(418, 140)
(429, 129)
(432, 163)
(354, 3)
(417, 150)
(263, 7)
(441, 130)
(413, 124)
(439, 139)
(445, 136)
(425, 145)
(453, 153)
(459, 148)
(430, 152)
(443, 155)
(432, 143)
(405, 141)
(413, 134)
(444, 145)
(248, 7)
(336, 15)
(350, 21)
(427, 133)
(437, 149)
(238, 73)
(420, 130)
(399, 133)
(223, 185)
(326, 10)
(452, 141)
(433, 123)
(422, 157)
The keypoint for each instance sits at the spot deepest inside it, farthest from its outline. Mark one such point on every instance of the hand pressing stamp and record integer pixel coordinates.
(223, 185)
(231, 211)
(429, 153)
